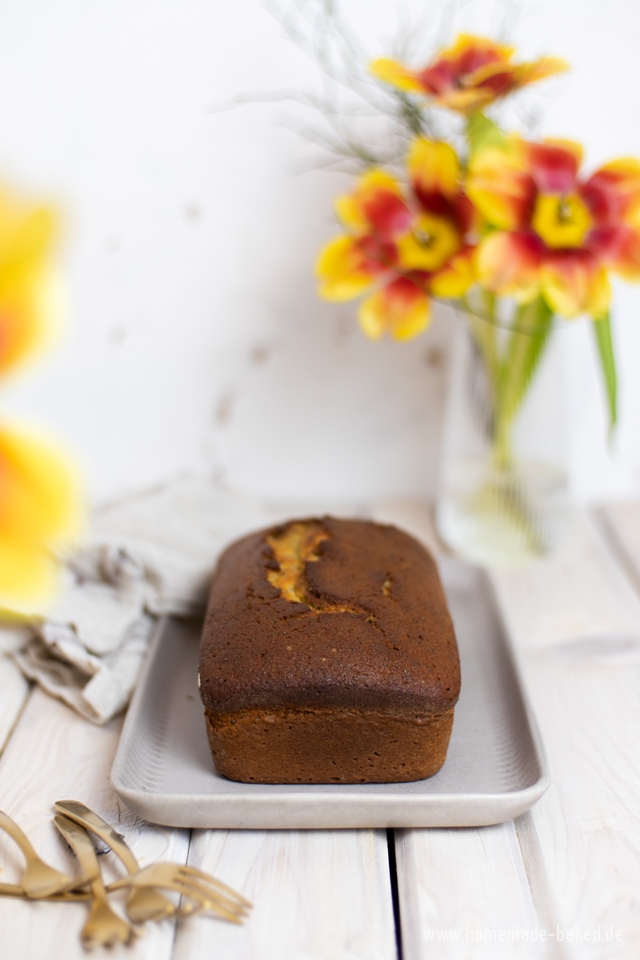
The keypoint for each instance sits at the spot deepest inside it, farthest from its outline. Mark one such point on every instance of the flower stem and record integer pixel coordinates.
(510, 359)
(485, 334)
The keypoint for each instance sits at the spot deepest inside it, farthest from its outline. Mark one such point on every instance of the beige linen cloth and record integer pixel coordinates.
(148, 555)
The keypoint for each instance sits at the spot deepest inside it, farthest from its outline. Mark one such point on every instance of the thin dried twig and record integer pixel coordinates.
(355, 118)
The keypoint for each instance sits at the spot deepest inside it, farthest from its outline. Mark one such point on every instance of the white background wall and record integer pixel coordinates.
(196, 339)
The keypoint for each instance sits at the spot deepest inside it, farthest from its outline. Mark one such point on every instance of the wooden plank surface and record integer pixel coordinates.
(588, 823)
(574, 620)
(14, 690)
(464, 893)
(580, 658)
(581, 593)
(317, 894)
(54, 754)
(620, 522)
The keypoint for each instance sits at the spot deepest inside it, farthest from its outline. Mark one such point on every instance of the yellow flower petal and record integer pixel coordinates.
(509, 264)
(471, 41)
(617, 248)
(28, 576)
(26, 233)
(535, 70)
(31, 304)
(39, 488)
(467, 101)
(433, 167)
(456, 276)
(500, 186)
(561, 221)
(616, 186)
(341, 270)
(40, 511)
(626, 168)
(400, 308)
(575, 284)
(350, 214)
(430, 244)
(393, 73)
(33, 309)
(351, 208)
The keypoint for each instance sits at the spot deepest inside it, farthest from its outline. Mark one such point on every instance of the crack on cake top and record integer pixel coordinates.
(294, 546)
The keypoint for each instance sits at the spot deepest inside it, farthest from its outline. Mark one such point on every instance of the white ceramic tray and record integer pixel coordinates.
(495, 767)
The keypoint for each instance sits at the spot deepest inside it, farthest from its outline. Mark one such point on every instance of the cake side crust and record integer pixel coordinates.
(327, 746)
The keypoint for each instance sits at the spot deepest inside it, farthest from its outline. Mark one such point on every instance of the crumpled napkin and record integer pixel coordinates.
(148, 555)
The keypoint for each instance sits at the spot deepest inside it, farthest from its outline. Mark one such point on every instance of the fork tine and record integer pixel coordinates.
(211, 891)
(155, 875)
(149, 877)
(214, 902)
(213, 881)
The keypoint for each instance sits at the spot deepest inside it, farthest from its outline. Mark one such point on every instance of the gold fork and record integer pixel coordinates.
(76, 895)
(211, 895)
(103, 926)
(144, 883)
(39, 879)
(143, 903)
(202, 890)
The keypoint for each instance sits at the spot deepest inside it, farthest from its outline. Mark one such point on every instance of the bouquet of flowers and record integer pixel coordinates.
(511, 231)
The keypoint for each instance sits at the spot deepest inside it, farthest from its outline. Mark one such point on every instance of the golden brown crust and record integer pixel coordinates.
(321, 619)
(327, 746)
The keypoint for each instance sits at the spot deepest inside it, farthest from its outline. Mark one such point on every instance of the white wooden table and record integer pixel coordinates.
(562, 881)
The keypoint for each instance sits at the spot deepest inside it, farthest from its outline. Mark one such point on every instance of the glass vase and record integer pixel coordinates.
(503, 496)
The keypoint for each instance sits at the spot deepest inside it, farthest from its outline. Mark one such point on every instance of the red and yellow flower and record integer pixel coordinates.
(39, 489)
(402, 248)
(469, 75)
(553, 232)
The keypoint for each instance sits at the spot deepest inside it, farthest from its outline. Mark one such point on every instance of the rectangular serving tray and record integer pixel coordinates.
(494, 771)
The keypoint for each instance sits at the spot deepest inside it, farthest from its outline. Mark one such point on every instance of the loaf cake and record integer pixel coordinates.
(328, 656)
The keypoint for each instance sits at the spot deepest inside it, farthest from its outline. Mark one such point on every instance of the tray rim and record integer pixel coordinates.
(489, 808)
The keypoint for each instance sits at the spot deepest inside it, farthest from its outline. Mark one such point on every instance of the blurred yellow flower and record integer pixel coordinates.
(40, 501)
(31, 302)
(40, 513)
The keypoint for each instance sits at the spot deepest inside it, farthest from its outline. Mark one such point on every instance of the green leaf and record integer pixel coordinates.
(604, 343)
(483, 132)
(526, 344)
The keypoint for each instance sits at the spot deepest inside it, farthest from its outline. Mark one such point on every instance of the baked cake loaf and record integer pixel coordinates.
(328, 656)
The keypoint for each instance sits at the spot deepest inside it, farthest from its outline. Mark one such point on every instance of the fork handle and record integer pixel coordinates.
(81, 814)
(67, 896)
(16, 833)
(80, 842)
